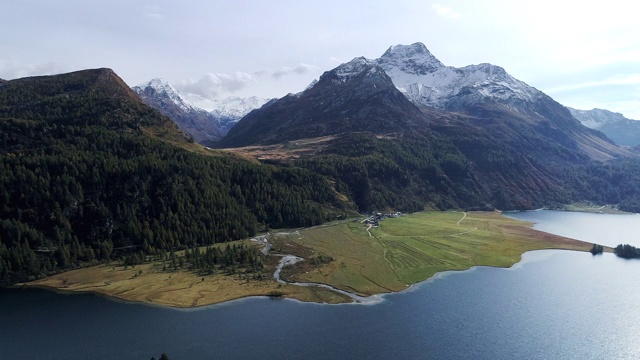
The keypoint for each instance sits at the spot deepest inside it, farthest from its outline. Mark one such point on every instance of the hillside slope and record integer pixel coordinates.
(86, 175)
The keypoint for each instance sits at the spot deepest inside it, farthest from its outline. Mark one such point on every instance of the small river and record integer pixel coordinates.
(551, 305)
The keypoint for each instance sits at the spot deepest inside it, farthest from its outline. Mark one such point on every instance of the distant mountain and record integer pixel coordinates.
(426, 81)
(230, 110)
(487, 91)
(622, 131)
(204, 119)
(200, 124)
(404, 130)
(354, 97)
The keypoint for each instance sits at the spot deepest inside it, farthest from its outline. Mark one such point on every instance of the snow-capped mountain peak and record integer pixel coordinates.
(411, 59)
(349, 70)
(236, 107)
(426, 81)
(159, 87)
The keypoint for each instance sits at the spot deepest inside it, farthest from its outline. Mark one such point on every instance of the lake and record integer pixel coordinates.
(551, 305)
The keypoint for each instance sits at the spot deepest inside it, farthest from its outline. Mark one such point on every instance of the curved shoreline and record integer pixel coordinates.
(358, 300)
(184, 290)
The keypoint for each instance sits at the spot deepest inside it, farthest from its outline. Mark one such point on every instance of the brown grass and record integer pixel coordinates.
(286, 151)
(176, 289)
(402, 251)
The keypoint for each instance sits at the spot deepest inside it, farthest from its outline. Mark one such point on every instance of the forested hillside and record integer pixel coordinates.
(81, 181)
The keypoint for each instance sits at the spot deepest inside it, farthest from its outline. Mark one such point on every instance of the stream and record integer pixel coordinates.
(288, 260)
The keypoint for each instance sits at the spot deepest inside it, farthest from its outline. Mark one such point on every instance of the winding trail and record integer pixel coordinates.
(464, 216)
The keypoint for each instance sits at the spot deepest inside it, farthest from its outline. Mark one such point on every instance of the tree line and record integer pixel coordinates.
(82, 182)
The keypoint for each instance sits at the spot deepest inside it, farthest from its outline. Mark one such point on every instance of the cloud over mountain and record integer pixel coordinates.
(445, 11)
(210, 85)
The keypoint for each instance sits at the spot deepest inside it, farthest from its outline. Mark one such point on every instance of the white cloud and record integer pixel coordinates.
(11, 69)
(210, 85)
(445, 11)
(299, 69)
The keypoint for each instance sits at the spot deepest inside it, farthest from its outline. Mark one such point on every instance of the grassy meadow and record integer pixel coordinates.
(389, 258)
(414, 247)
(148, 283)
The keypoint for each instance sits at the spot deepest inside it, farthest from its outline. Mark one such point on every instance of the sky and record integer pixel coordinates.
(583, 54)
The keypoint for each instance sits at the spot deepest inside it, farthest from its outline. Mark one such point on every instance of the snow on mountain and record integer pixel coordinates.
(204, 119)
(357, 96)
(198, 123)
(355, 67)
(426, 81)
(236, 107)
(596, 118)
(160, 88)
(618, 128)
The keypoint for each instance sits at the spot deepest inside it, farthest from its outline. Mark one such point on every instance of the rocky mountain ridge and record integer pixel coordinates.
(205, 126)
(354, 97)
(426, 81)
(617, 127)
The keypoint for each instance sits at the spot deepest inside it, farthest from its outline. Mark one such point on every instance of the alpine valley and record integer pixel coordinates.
(92, 170)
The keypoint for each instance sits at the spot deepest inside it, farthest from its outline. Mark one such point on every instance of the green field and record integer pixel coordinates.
(402, 251)
(414, 247)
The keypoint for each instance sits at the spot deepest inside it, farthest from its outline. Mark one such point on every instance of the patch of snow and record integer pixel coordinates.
(163, 89)
(236, 107)
(426, 81)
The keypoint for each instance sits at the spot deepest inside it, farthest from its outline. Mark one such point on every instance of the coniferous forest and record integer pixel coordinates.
(88, 174)
(81, 182)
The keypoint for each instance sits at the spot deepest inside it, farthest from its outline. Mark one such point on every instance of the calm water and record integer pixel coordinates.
(552, 305)
(604, 229)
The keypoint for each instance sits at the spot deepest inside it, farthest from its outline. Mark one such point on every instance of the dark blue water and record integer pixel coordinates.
(552, 305)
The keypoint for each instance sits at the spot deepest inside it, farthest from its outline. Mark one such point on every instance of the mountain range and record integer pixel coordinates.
(476, 136)
(89, 172)
(205, 126)
(622, 131)
(366, 95)
(424, 81)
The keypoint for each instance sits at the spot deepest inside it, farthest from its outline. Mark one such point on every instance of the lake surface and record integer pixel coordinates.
(603, 229)
(551, 305)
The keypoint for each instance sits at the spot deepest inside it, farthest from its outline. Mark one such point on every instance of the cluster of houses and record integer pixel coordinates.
(376, 217)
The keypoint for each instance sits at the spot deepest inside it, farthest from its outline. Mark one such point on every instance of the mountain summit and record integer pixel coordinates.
(427, 82)
(412, 59)
(204, 125)
(356, 96)
(196, 122)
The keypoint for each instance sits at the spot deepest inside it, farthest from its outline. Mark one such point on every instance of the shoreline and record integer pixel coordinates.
(159, 290)
(379, 297)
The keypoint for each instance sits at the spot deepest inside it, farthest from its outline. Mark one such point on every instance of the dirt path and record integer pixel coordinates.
(464, 216)
(369, 228)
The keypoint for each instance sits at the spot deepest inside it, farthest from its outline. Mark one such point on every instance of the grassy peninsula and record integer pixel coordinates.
(347, 255)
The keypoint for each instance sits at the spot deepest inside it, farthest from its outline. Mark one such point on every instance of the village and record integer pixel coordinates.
(376, 217)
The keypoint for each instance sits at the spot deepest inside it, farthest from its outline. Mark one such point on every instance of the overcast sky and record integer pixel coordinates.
(583, 54)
